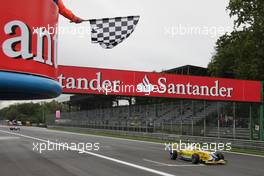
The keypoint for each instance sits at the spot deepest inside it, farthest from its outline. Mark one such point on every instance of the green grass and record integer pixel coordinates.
(248, 151)
(141, 138)
(108, 134)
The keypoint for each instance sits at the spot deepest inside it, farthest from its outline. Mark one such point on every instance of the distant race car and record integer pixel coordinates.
(198, 156)
(14, 128)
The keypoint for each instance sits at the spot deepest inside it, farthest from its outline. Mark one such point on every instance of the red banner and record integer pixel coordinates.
(28, 37)
(80, 80)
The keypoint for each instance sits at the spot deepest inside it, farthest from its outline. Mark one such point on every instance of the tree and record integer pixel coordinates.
(241, 53)
(32, 112)
(247, 12)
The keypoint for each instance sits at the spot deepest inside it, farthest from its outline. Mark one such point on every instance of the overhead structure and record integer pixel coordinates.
(28, 40)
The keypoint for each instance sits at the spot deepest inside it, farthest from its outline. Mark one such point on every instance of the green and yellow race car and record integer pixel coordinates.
(197, 156)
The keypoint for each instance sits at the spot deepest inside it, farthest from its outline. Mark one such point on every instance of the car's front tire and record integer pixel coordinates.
(220, 156)
(195, 159)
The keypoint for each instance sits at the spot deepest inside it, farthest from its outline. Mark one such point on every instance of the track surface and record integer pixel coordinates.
(124, 158)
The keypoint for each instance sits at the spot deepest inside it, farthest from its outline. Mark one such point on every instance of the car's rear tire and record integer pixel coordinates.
(220, 156)
(173, 155)
(195, 159)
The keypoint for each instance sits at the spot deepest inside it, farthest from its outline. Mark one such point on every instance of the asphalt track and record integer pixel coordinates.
(116, 157)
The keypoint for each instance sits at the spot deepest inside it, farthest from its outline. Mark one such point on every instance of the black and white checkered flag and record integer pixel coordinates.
(109, 32)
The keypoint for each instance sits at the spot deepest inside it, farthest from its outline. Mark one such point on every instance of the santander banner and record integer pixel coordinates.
(80, 80)
(28, 37)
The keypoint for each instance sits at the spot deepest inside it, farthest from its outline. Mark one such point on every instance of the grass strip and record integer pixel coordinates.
(142, 138)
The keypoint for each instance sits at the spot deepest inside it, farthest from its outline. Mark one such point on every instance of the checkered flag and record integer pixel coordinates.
(109, 32)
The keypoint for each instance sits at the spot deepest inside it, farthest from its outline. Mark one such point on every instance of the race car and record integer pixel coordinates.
(14, 128)
(197, 156)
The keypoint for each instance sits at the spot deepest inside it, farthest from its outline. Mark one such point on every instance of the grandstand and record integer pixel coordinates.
(164, 115)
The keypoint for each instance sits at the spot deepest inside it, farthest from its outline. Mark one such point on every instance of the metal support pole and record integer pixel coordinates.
(204, 118)
(146, 126)
(171, 127)
(234, 120)
(261, 115)
(250, 122)
(218, 124)
(181, 117)
(261, 136)
(204, 129)
(192, 115)
(181, 127)
(192, 127)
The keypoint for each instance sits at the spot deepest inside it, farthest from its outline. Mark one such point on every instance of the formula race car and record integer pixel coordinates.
(197, 156)
(14, 128)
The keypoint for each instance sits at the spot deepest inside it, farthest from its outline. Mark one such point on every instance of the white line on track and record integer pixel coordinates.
(134, 140)
(106, 137)
(173, 165)
(8, 138)
(147, 142)
(96, 155)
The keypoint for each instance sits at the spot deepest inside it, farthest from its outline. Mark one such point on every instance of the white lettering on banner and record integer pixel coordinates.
(8, 45)
(25, 40)
(97, 84)
(189, 89)
(162, 87)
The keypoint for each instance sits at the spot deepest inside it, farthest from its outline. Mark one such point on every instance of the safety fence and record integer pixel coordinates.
(182, 117)
(235, 143)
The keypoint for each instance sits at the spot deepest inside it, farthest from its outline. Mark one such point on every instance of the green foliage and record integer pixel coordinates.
(33, 112)
(247, 12)
(241, 53)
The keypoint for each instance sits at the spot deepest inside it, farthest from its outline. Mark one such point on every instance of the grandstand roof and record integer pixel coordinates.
(188, 70)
